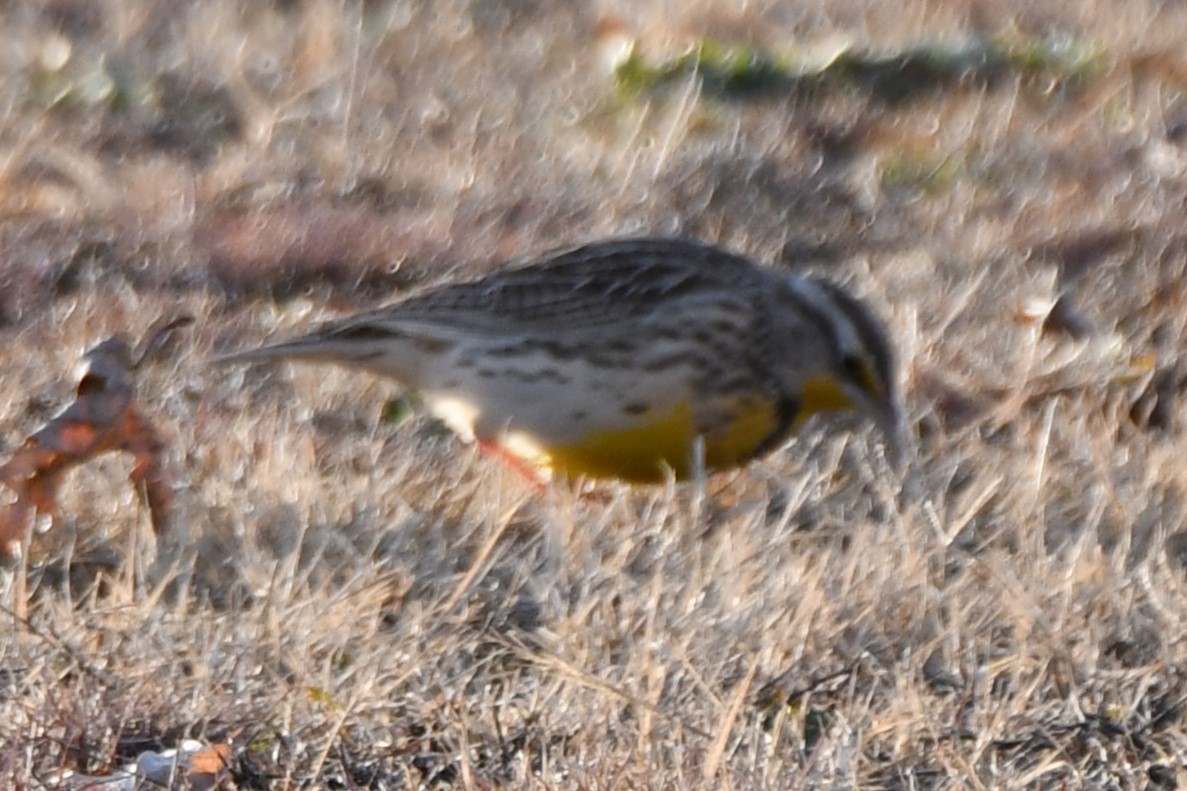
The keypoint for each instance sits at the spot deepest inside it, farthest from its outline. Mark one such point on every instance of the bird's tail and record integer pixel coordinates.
(307, 349)
(384, 353)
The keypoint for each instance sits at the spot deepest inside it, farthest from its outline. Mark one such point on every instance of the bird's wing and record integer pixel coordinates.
(594, 285)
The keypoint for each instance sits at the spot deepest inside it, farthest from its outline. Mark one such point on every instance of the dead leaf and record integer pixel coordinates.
(103, 418)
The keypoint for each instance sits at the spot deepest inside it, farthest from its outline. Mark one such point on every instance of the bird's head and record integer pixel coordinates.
(859, 371)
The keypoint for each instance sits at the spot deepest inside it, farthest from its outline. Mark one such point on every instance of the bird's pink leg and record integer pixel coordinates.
(530, 474)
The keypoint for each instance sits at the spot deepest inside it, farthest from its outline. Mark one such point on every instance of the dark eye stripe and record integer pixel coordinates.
(880, 365)
(859, 370)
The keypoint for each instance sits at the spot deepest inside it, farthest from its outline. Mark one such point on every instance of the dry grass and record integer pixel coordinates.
(354, 602)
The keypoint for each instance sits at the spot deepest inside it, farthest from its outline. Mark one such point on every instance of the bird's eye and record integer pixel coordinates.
(859, 371)
(853, 366)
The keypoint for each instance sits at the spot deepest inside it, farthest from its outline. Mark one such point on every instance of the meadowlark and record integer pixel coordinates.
(631, 359)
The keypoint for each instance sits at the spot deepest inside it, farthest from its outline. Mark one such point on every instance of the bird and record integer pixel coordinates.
(635, 358)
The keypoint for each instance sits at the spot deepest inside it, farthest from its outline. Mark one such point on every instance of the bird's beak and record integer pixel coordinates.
(886, 411)
(892, 422)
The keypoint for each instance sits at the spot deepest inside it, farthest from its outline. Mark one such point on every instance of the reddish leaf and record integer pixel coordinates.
(102, 418)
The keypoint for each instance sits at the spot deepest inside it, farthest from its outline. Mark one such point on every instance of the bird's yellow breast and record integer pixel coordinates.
(646, 450)
(648, 447)
(821, 393)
